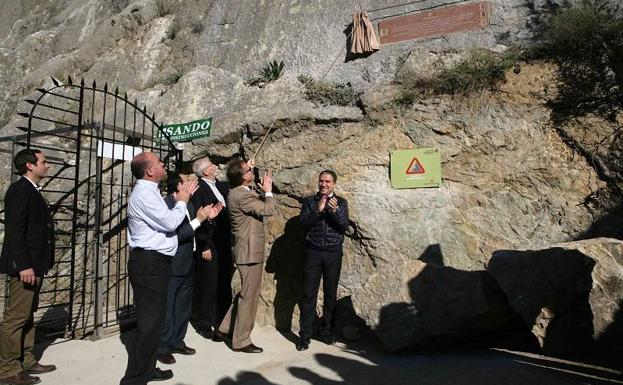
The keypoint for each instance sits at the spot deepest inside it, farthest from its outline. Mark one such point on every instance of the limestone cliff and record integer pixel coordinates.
(509, 181)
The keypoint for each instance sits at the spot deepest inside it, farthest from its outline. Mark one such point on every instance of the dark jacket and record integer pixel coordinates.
(182, 262)
(217, 234)
(28, 231)
(324, 231)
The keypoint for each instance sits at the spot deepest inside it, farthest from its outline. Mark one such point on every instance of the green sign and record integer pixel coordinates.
(183, 132)
(416, 168)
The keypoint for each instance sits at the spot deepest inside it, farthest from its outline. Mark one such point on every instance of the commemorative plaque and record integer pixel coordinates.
(456, 18)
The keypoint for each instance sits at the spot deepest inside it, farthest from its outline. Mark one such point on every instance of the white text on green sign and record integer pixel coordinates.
(183, 132)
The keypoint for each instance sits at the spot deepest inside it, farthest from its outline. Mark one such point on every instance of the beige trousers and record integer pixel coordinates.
(17, 329)
(241, 313)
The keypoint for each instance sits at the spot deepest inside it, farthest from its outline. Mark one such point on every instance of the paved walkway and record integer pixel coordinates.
(103, 362)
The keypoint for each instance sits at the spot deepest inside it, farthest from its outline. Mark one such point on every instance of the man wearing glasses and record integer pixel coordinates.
(246, 211)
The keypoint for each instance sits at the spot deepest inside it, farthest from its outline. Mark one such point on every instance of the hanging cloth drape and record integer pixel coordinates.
(363, 39)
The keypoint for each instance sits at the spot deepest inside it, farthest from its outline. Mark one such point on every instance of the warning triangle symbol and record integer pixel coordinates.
(415, 167)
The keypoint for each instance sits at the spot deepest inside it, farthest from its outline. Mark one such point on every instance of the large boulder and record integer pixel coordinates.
(569, 295)
(438, 305)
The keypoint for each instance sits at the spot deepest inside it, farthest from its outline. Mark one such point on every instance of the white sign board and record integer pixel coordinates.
(117, 150)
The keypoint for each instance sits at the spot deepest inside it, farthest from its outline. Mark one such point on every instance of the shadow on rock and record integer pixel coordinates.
(286, 263)
(550, 290)
(448, 307)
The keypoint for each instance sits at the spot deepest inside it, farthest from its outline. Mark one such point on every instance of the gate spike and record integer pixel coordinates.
(69, 80)
(125, 96)
(116, 90)
(145, 110)
(135, 102)
(106, 87)
(30, 101)
(55, 81)
(82, 82)
(42, 90)
(24, 114)
(94, 85)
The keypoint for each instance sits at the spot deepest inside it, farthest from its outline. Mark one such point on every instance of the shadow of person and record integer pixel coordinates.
(448, 307)
(550, 289)
(286, 263)
(608, 347)
(127, 325)
(246, 378)
(53, 324)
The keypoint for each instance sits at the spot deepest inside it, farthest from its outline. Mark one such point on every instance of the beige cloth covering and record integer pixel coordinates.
(363, 39)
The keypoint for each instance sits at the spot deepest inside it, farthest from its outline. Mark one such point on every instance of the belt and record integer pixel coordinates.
(152, 252)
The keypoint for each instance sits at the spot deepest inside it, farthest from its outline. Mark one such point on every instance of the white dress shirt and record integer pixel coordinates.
(266, 194)
(33, 183)
(217, 194)
(151, 225)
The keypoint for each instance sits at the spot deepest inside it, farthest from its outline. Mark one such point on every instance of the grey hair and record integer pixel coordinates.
(201, 164)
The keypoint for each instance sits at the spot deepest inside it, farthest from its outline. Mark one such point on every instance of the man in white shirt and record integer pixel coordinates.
(153, 243)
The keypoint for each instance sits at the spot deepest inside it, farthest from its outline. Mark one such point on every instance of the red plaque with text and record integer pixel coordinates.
(437, 22)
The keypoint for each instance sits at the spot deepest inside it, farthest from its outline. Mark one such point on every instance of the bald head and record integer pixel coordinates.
(147, 165)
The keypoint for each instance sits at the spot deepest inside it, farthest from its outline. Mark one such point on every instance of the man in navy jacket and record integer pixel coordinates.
(27, 255)
(324, 217)
(180, 292)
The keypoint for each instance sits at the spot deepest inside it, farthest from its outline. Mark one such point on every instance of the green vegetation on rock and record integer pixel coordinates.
(479, 70)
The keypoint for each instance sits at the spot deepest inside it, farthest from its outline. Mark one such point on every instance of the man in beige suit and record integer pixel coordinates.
(246, 211)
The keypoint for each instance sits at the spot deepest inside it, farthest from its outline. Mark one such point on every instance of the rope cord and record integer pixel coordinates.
(341, 50)
(291, 100)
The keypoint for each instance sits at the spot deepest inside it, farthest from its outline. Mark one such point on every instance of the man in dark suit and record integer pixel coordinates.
(246, 210)
(180, 292)
(214, 265)
(27, 255)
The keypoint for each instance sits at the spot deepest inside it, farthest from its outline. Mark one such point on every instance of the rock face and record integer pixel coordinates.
(509, 182)
(569, 295)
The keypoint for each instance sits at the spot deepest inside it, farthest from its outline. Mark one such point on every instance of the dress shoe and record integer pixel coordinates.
(250, 348)
(20, 378)
(166, 358)
(207, 334)
(328, 339)
(185, 350)
(160, 375)
(219, 336)
(303, 344)
(40, 369)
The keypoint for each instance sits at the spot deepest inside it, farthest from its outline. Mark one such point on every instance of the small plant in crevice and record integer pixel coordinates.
(329, 93)
(196, 27)
(172, 78)
(479, 70)
(271, 72)
(164, 7)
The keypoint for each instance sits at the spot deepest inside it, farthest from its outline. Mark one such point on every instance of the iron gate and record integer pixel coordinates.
(88, 135)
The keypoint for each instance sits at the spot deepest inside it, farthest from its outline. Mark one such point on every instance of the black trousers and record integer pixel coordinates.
(212, 292)
(179, 305)
(325, 265)
(149, 276)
